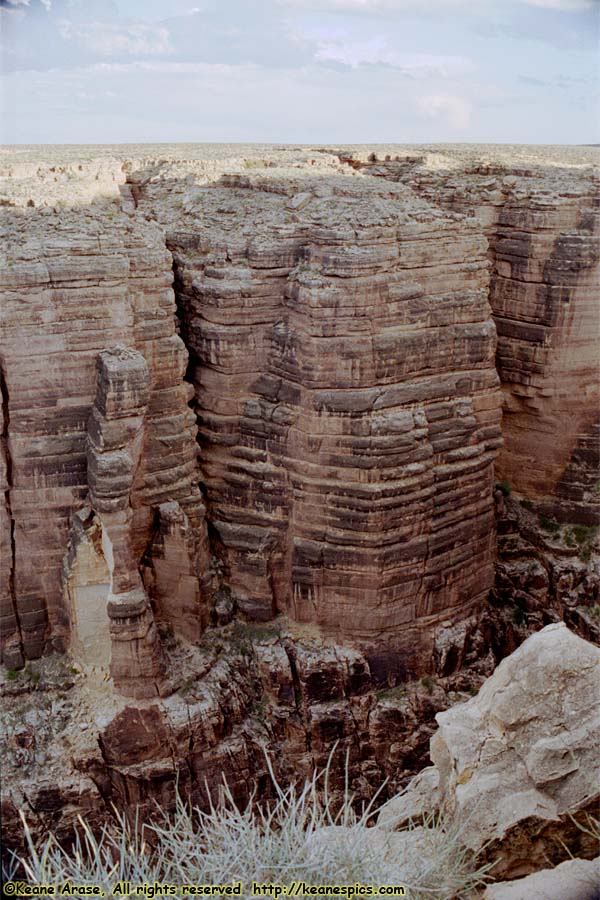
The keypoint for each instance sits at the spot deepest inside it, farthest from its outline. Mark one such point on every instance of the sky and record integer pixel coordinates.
(299, 71)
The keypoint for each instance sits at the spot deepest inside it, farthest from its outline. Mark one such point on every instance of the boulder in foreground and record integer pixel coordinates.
(519, 764)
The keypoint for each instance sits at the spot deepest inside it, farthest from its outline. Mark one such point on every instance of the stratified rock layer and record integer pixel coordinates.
(543, 225)
(342, 353)
(73, 285)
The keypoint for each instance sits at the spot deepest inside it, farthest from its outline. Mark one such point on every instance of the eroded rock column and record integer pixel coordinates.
(115, 436)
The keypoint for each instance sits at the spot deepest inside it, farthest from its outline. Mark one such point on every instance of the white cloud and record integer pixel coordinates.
(376, 50)
(367, 5)
(473, 6)
(563, 5)
(186, 101)
(450, 109)
(111, 39)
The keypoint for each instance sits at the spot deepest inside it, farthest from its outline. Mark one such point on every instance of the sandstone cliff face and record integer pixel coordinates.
(342, 354)
(541, 220)
(340, 347)
(544, 232)
(72, 287)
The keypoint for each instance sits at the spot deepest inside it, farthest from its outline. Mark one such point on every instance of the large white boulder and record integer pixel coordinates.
(519, 764)
(575, 879)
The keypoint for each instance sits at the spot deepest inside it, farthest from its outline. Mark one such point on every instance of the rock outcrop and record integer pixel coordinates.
(545, 572)
(518, 767)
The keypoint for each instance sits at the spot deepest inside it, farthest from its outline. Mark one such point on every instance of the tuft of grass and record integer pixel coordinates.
(527, 504)
(12, 674)
(299, 836)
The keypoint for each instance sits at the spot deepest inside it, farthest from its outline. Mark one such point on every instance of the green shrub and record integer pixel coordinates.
(569, 538)
(504, 487)
(392, 693)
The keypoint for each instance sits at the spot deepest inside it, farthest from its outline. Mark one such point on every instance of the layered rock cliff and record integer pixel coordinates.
(542, 220)
(264, 388)
(74, 285)
(348, 409)
(539, 212)
(342, 355)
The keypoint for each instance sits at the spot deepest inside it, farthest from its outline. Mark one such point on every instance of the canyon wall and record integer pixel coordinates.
(73, 285)
(348, 410)
(342, 354)
(237, 390)
(542, 220)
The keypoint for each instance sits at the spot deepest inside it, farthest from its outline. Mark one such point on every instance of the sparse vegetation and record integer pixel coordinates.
(569, 539)
(549, 524)
(27, 675)
(168, 636)
(584, 534)
(504, 487)
(255, 164)
(258, 708)
(244, 634)
(527, 504)
(581, 536)
(519, 615)
(293, 838)
(428, 683)
(393, 693)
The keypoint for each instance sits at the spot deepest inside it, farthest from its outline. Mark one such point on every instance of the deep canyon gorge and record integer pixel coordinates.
(297, 445)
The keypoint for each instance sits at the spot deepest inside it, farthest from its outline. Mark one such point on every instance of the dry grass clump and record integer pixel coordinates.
(296, 837)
